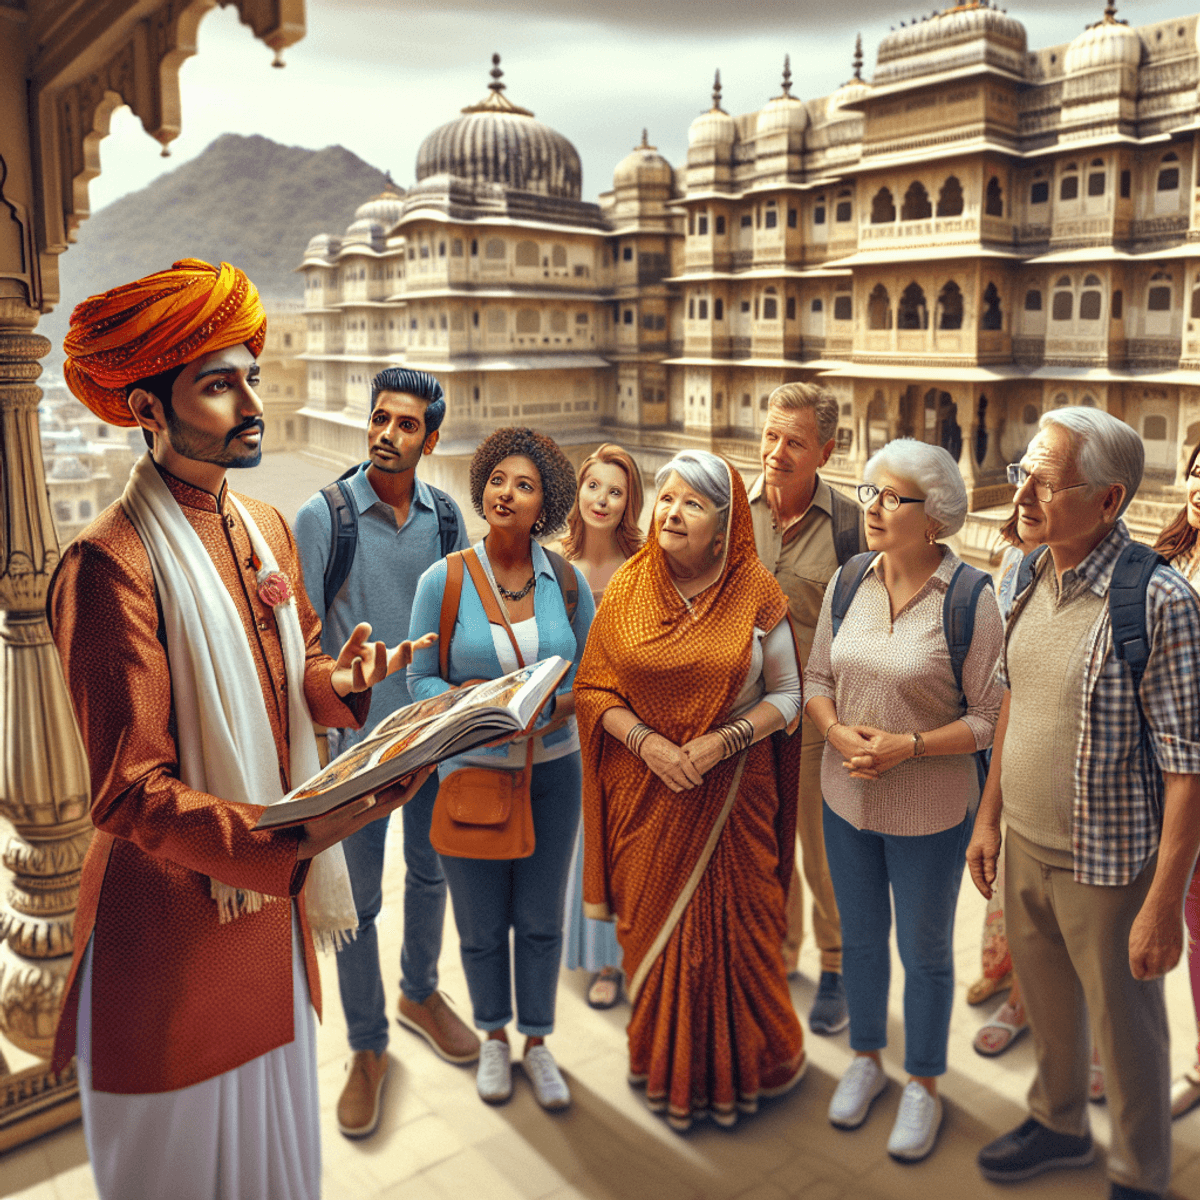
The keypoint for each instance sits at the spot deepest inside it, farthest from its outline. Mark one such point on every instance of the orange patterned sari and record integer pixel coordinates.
(697, 881)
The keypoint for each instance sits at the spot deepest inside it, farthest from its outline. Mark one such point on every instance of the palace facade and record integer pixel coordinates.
(975, 234)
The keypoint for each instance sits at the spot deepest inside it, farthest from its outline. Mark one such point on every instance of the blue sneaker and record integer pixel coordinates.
(829, 1013)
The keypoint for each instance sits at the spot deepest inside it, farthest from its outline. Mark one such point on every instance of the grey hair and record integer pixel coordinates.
(703, 472)
(1107, 450)
(934, 471)
(796, 397)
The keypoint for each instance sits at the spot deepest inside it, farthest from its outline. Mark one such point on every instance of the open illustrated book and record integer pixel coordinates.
(426, 732)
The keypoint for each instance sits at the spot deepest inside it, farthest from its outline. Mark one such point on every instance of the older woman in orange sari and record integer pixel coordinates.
(689, 801)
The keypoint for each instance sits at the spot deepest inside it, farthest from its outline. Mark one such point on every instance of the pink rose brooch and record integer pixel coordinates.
(274, 589)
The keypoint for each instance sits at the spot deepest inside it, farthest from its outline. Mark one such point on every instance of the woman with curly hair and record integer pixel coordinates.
(602, 532)
(523, 486)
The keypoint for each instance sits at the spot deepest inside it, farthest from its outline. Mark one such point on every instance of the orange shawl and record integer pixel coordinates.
(680, 669)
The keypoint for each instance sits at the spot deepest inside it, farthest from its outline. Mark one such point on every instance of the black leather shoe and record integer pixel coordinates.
(1121, 1191)
(1030, 1149)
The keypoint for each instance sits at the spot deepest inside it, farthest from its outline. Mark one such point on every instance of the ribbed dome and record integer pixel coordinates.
(785, 111)
(644, 165)
(495, 141)
(1108, 43)
(364, 232)
(715, 127)
(935, 38)
(322, 245)
(383, 210)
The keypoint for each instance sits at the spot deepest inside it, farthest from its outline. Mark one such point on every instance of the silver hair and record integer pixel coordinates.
(1107, 450)
(933, 470)
(702, 472)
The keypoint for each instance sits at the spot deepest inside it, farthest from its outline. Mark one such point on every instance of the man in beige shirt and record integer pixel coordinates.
(804, 530)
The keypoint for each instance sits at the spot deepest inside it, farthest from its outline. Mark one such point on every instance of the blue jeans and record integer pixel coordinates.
(359, 979)
(924, 874)
(492, 896)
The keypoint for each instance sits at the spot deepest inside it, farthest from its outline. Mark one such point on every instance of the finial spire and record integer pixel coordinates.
(787, 74)
(716, 92)
(496, 74)
(1110, 11)
(645, 140)
(858, 58)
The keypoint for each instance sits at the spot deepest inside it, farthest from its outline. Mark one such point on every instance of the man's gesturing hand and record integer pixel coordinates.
(362, 664)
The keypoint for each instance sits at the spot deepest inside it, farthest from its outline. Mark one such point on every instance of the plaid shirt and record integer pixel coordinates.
(1119, 759)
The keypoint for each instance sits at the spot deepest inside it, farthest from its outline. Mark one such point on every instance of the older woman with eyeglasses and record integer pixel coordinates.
(898, 777)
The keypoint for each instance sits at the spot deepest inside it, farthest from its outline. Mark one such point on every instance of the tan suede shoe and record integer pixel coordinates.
(441, 1027)
(358, 1107)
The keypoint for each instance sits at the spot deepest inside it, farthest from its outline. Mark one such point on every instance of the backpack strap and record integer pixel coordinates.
(1025, 570)
(852, 574)
(958, 613)
(450, 598)
(847, 527)
(568, 583)
(491, 605)
(447, 520)
(344, 517)
(1127, 608)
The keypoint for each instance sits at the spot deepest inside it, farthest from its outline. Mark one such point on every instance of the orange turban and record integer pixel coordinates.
(166, 320)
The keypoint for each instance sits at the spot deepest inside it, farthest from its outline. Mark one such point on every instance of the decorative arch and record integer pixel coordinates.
(911, 312)
(950, 198)
(883, 208)
(993, 201)
(916, 205)
(879, 308)
(950, 307)
(990, 315)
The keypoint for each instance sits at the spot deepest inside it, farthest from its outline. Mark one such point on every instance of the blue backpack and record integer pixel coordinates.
(958, 618)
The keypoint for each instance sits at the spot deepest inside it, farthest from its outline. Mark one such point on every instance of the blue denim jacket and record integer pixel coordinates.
(473, 653)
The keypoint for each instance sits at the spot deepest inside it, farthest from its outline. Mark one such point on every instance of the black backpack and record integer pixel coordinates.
(344, 515)
(958, 618)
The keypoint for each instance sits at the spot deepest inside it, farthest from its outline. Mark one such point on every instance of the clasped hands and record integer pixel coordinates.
(362, 664)
(868, 752)
(682, 767)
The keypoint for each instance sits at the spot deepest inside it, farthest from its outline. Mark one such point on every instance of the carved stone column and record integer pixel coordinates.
(44, 785)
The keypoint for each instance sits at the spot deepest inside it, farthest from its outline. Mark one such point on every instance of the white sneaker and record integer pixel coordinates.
(917, 1124)
(493, 1080)
(549, 1087)
(863, 1081)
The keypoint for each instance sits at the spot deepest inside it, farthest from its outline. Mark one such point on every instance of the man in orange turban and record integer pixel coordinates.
(193, 659)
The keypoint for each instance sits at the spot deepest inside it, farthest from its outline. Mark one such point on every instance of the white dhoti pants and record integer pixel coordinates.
(250, 1134)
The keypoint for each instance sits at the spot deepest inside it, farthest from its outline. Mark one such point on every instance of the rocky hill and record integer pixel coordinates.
(244, 200)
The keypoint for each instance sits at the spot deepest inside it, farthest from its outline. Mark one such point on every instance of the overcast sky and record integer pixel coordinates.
(377, 76)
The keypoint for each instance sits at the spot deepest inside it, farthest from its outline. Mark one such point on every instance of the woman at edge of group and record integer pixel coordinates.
(692, 668)
(1178, 545)
(602, 533)
(522, 485)
(891, 825)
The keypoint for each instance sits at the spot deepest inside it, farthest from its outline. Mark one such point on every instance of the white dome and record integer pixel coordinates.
(971, 32)
(323, 245)
(383, 209)
(784, 112)
(1108, 43)
(363, 232)
(643, 165)
(715, 127)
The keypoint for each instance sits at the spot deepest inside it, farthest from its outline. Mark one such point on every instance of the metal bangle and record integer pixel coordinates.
(636, 737)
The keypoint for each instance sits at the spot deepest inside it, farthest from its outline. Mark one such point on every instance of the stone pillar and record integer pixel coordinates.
(44, 787)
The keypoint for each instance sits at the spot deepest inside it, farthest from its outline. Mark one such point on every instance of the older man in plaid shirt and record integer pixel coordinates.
(1100, 789)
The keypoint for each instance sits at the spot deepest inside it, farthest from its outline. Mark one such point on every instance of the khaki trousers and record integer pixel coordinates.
(827, 928)
(1070, 948)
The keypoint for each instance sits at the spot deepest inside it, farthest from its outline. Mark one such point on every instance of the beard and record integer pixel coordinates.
(188, 442)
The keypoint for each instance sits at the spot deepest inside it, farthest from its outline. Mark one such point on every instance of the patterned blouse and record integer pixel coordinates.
(896, 675)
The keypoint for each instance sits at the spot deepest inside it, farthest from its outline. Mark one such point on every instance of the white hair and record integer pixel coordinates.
(703, 472)
(1106, 449)
(933, 470)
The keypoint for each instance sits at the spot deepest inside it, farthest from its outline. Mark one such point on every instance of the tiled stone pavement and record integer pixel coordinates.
(437, 1141)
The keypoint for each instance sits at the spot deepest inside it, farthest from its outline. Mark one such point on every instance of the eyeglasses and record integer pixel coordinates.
(889, 500)
(1018, 477)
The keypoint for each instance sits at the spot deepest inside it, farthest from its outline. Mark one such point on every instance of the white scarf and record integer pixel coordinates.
(226, 745)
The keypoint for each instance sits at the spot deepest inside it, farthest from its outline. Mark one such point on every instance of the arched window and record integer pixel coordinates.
(993, 203)
(1168, 173)
(990, 316)
(981, 430)
(494, 248)
(1096, 178)
(1033, 300)
(950, 198)
(1062, 307)
(1088, 402)
(1068, 186)
(558, 320)
(883, 208)
(911, 312)
(950, 307)
(527, 254)
(1158, 298)
(558, 255)
(529, 320)
(1061, 400)
(879, 309)
(770, 310)
(916, 203)
(1030, 414)
(1090, 300)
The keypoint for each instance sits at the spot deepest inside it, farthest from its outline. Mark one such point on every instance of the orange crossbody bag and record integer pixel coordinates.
(480, 812)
